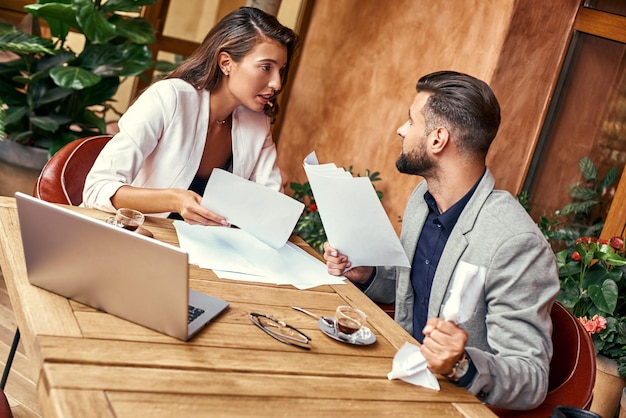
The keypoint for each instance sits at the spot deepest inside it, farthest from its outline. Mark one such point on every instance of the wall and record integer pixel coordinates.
(361, 61)
(526, 73)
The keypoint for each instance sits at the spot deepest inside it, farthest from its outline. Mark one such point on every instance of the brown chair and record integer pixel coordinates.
(388, 308)
(5, 409)
(572, 369)
(63, 177)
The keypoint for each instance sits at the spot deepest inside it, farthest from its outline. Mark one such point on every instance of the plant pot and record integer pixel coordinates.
(19, 167)
(609, 387)
(23, 156)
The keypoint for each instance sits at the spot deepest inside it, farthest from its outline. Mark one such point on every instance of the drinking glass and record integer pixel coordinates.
(126, 218)
(349, 320)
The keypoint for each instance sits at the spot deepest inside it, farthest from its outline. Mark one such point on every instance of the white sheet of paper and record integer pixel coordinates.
(211, 247)
(354, 220)
(265, 213)
(235, 250)
(244, 277)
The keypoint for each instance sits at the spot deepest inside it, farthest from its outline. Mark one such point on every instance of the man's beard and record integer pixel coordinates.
(416, 162)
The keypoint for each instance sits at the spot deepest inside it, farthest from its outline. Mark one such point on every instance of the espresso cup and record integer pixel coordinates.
(126, 218)
(348, 321)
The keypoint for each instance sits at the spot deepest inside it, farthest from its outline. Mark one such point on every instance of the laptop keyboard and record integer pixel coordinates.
(194, 313)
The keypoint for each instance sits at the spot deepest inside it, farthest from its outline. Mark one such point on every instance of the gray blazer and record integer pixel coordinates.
(510, 332)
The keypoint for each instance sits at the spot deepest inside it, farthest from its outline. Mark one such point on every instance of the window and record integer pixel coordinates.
(587, 114)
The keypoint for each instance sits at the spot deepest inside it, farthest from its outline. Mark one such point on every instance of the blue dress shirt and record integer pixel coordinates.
(430, 246)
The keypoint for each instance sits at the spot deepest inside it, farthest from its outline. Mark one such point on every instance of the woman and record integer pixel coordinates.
(213, 111)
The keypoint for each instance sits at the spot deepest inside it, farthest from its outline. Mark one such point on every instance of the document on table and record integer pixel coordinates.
(354, 220)
(267, 214)
(234, 253)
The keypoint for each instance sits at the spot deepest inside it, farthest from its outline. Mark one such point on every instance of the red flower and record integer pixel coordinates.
(617, 243)
(312, 207)
(576, 256)
(586, 240)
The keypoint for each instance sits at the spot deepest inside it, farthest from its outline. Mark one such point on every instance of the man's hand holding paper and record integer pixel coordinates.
(354, 220)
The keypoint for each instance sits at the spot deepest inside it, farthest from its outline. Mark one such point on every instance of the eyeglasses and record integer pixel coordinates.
(280, 331)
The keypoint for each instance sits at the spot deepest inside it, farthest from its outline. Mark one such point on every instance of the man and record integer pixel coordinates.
(502, 353)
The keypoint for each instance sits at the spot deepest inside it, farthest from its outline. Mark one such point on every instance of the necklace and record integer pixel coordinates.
(221, 122)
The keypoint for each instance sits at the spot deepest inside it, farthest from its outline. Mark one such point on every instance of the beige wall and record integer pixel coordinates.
(361, 61)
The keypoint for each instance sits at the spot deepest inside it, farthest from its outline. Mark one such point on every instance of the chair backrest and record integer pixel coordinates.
(62, 179)
(572, 369)
(5, 409)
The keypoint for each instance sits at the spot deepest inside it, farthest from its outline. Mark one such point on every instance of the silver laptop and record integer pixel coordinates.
(126, 274)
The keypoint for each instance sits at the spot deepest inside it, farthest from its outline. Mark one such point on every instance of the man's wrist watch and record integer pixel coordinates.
(460, 369)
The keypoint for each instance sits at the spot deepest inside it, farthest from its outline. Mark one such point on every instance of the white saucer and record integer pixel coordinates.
(364, 336)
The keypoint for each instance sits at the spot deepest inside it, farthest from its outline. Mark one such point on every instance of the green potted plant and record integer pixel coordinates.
(52, 94)
(593, 287)
(591, 272)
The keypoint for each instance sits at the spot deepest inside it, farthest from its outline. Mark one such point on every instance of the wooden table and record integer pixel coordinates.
(91, 364)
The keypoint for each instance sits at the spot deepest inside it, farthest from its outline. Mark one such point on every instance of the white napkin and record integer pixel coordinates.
(410, 365)
(467, 286)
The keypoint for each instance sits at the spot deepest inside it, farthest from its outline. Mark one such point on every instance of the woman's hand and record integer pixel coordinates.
(338, 264)
(185, 202)
(192, 211)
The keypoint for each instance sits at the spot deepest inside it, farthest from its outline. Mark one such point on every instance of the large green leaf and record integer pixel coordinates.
(137, 59)
(60, 17)
(14, 114)
(57, 60)
(104, 60)
(87, 119)
(582, 193)
(6, 27)
(21, 136)
(561, 256)
(45, 122)
(54, 95)
(588, 169)
(125, 5)
(605, 296)
(95, 27)
(576, 207)
(125, 59)
(73, 77)
(22, 43)
(608, 179)
(569, 293)
(138, 29)
(596, 275)
(97, 94)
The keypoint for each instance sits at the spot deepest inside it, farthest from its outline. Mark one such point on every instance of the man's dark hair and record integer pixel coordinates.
(463, 104)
